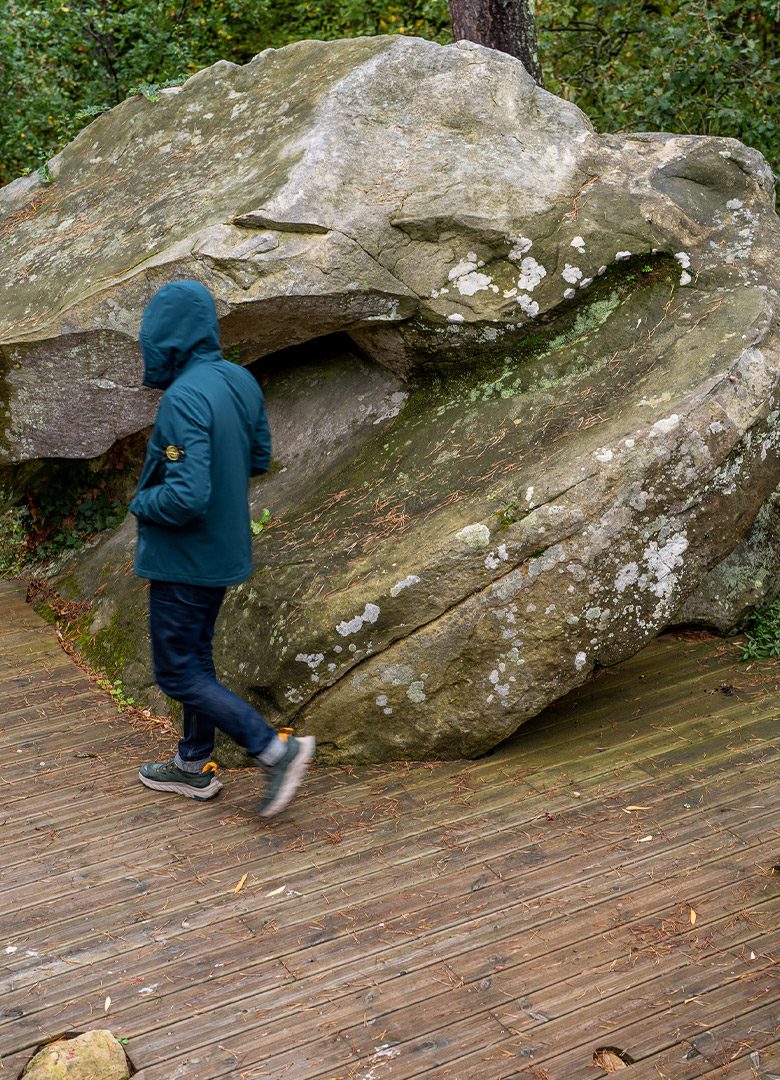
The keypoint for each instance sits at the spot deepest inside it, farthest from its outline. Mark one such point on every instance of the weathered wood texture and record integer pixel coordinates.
(491, 919)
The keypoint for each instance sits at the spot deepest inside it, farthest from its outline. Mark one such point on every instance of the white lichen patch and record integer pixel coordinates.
(734, 204)
(493, 561)
(579, 243)
(684, 259)
(627, 575)
(621, 255)
(500, 679)
(415, 691)
(381, 700)
(531, 273)
(569, 293)
(405, 583)
(469, 284)
(669, 423)
(474, 536)
(585, 282)
(603, 454)
(662, 562)
(529, 306)
(370, 615)
(455, 318)
(580, 660)
(313, 660)
(520, 244)
(685, 278)
(466, 266)
(397, 675)
(570, 273)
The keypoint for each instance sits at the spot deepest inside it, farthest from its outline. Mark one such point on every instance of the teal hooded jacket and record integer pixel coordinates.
(210, 436)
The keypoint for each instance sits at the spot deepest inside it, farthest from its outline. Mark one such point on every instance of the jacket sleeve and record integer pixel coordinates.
(261, 443)
(185, 491)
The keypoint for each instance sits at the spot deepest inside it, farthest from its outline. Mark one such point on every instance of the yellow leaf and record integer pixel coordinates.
(240, 885)
(630, 808)
(644, 839)
(107, 1004)
(693, 917)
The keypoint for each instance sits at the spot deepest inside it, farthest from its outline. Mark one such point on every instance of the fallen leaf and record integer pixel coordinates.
(628, 809)
(644, 839)
(608, 1060)
(240, 885)
(693, 917)
(185, 923)
(276, 892)
(752, 955)
(107, 1004)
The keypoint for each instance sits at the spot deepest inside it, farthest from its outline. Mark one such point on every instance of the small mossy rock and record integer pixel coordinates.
(94, 1055)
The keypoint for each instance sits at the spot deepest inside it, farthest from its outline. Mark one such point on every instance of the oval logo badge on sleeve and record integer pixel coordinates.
(174, 453)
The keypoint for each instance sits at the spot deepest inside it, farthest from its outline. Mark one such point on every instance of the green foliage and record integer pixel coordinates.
(14, 525)
(763, 634)
(704, 67)
(74, 505)
(118, 692)
(258, 526)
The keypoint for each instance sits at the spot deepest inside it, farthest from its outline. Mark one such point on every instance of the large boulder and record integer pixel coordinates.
(554, 413)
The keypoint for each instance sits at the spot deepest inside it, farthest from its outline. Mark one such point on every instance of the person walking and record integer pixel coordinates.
(194, 540)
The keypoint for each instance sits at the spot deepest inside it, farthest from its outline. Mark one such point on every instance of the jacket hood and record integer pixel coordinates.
(179, 325)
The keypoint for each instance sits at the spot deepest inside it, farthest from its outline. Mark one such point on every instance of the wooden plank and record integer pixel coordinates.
(403, 874)
(544, 829)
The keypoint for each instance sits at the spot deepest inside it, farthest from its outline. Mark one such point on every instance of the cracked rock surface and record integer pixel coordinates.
(553, 412)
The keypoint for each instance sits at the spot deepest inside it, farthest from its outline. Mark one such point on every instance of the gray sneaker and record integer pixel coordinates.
(167, 776)
(285, 776)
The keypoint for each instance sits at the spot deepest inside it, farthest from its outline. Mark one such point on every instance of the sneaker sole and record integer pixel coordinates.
(201, 794)
(294, 776)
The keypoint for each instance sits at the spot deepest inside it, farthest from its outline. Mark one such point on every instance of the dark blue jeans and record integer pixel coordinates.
(181, 625)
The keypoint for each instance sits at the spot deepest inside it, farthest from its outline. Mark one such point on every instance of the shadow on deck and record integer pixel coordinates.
(601, 880)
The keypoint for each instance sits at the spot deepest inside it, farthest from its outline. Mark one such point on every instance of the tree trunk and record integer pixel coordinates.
(506, 25)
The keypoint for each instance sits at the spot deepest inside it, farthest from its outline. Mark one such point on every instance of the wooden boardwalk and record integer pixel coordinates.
(602, 881)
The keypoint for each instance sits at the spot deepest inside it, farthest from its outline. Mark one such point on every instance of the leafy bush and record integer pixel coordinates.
(14, 525)
(76, 502)
(763, 634)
